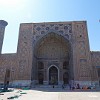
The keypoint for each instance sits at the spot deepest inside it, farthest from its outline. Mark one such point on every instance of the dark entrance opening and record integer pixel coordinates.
(66, 78)
(6, 81)
(40, 78)
(53, 76)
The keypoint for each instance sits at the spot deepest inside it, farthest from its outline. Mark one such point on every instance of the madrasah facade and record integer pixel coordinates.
(50, 53)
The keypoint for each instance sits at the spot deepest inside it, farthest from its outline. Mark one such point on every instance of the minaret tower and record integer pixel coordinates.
(3, 24)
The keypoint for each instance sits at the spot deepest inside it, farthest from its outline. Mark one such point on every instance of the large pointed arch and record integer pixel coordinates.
(41, 53)
(50, 33)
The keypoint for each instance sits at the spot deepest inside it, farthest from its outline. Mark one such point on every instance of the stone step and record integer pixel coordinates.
(51, 86)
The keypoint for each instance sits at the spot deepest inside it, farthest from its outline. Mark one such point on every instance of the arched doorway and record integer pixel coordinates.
(53, 75)
(51, 49)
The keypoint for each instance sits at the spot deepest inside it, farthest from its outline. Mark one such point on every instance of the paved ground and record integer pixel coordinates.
(50, 94)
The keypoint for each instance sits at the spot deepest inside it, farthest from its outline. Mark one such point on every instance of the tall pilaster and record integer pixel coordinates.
(3, 24)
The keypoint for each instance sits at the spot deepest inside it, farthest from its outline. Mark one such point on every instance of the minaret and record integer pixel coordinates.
(3, 24)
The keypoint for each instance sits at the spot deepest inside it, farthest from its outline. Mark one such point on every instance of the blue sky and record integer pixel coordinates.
(26, 11)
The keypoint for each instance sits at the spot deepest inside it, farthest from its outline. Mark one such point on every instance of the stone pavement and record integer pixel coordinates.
(51, 94)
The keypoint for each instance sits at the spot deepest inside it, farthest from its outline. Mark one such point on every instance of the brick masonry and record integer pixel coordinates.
(51, 43)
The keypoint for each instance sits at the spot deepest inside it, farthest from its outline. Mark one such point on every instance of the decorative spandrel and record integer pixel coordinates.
(41, 29)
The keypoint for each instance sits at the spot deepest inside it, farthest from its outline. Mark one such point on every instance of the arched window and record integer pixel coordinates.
(40, 65)
(66, 65)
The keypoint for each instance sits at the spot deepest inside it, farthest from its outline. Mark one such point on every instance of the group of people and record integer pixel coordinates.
(77, 86)
(72, 87)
